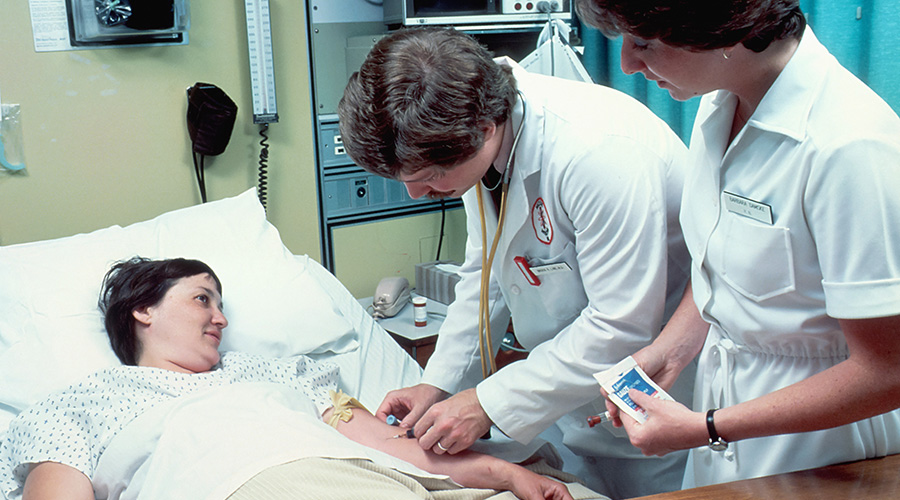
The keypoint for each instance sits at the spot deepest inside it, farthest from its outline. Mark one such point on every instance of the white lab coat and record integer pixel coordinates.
(596, 184)
(792, 225)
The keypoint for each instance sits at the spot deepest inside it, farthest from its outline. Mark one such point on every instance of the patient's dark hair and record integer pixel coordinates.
(138, 283)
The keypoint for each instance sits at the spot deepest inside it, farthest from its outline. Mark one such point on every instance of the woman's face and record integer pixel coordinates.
(684, 73)
(183, 331)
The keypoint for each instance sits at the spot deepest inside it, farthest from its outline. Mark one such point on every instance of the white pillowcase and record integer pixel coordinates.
(51, 331)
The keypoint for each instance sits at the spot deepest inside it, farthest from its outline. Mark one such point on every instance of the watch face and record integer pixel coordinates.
(718, 445)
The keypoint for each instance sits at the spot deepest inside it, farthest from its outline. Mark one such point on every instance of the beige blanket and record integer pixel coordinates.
(353, 479)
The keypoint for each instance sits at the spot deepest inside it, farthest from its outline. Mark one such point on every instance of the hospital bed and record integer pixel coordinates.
(277, 303)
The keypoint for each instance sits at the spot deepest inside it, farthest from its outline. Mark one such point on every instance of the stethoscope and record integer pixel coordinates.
(488, 365)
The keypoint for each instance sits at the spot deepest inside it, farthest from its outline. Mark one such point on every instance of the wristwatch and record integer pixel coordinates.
(716, 443)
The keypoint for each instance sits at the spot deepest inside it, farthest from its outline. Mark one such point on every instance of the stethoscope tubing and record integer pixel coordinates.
(485, 344)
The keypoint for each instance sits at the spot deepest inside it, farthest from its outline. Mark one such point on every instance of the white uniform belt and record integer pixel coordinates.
(721, 382)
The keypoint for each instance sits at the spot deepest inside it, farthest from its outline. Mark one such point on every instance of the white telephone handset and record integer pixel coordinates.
(391, 295)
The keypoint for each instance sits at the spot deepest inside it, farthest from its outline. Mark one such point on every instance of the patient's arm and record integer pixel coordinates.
(55, 481)
(470, 469)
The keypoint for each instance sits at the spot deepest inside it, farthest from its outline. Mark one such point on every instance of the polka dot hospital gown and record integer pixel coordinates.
(74, 426)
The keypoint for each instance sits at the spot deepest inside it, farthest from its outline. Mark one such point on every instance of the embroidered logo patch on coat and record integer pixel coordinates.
(540, 220)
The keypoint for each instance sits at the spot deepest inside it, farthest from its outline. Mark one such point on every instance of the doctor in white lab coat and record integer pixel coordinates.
(589, 252)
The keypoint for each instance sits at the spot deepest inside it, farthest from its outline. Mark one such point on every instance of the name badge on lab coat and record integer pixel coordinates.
(550, 268)
(531, 273)
(748, 208)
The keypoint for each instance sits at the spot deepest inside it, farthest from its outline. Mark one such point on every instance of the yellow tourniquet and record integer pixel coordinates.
(342, 407)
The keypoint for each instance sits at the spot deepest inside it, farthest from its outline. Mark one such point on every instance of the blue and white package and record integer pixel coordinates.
(621, 378)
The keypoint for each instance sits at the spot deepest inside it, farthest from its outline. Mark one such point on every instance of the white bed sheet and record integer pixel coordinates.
(378, 364)
(205, 446)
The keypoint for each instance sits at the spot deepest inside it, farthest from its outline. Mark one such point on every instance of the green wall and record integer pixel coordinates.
(104, 130)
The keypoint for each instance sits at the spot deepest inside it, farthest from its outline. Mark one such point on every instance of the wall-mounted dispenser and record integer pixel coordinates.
(10, 139)
(128, 22)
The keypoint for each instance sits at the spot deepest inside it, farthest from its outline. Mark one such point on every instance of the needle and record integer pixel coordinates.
(408, 434)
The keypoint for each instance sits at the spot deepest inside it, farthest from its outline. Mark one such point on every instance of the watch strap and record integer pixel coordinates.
(715, 441)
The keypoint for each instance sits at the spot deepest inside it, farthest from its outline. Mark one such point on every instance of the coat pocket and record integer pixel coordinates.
(562, 292)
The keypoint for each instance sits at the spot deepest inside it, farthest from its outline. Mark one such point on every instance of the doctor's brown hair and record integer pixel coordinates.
(698, 24)
(423, 97)
(134, 284)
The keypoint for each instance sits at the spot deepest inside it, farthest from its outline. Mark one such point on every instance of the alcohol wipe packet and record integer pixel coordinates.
(624, 376)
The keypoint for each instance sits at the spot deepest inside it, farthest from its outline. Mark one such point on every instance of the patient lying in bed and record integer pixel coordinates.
(179, 420)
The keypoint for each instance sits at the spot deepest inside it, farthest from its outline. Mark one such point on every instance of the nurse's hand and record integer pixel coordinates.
(653, 361)
(676, 346)
(658, 366)
(452, 426)
(670, 426)
(409, 403)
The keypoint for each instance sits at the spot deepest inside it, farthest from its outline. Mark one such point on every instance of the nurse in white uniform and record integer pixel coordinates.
(584, 232)
(790, 211)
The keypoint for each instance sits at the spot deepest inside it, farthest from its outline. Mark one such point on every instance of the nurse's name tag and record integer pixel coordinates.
(748, 208)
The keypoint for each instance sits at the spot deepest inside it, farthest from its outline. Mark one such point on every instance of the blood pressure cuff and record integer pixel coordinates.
(210, 118)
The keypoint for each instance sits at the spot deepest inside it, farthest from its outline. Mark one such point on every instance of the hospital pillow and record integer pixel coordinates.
(51, 332)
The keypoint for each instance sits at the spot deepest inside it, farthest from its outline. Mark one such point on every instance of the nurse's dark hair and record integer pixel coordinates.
(698, 24)
(137, 283)
(423, 97)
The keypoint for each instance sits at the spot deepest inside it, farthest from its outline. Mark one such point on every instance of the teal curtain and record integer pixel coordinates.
(864, 35)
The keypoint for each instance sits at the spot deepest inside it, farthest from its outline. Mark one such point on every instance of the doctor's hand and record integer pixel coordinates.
(452, 426)
(410, 403)
(670, 426)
